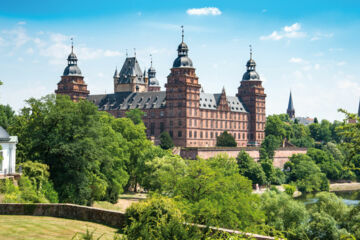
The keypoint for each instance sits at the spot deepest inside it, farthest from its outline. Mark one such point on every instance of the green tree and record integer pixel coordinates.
(285, 214)
(324, 227)
(38, 174)
(225, 140)
(214, 195)
(136, 142)
(7, 116)
(250, 169)
(270, 144)
(166, 141)
(84, 153)
(276, 127)
(308, 177)
(163, 173)
(157, 218)
(135, 115)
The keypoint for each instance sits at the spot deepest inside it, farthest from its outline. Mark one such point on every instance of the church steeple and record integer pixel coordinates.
(291, 110)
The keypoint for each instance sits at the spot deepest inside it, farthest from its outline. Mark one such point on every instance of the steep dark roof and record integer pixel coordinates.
(211, 101)
(129, 100)
(131, 68)
(150, 100)
(290, 105)
(4, 135)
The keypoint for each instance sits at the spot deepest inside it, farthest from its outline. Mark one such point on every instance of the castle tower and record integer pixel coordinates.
(72, 82)
(154, 85)
(130, 78)
(182, 97)
(252, 95)
(290, 110)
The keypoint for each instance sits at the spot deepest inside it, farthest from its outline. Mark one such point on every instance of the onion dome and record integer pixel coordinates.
(251, 73)
(152, 77)
(182, 60)
(72, 68)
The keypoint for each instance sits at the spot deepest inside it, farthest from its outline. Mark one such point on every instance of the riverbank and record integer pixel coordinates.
(339, 187)
(334, 187)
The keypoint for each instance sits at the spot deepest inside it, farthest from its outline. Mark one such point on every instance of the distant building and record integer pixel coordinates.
(8, 152)
(291, 112)
(192, 118)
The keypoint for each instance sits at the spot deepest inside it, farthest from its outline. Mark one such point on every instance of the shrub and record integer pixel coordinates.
(225, 140)
(166, 141)
(289, 189)
(157, 218)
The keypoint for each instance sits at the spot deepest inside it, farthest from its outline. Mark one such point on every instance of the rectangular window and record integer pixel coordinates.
(152, 114)
(179, 123)
(190, 134)
(162, 127)
(179, 133)
(171, 133)
(152, 129)
(201, 134)
(207, 134)
(161, 113)
(211, 135)
(195, 134)
(171, 123)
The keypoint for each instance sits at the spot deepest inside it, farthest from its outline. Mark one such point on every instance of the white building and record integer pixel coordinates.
(8, 152)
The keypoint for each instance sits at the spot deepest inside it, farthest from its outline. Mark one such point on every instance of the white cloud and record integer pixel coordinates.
(21, 23)
(292, 28)
(109, 53)
(273, 36)
(317, 66)
(16, 37)
(342, 63)
(286, 32)
(30, 51)
(349, 85)
(204, 11)
(319, 36)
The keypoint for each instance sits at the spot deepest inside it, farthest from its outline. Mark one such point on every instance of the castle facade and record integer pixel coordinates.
(192, 117)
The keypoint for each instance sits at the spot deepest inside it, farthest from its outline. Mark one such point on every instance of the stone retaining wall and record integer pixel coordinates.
(281, 156)
(71, 211)
(77, 212)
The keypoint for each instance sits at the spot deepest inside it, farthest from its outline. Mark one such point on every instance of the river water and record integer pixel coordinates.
(349, 197)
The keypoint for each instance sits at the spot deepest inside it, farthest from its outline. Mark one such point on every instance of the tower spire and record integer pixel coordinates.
(151, 60)
(290, 110)
(126, 53)
(72, 45)
(182, 33)
(134, 52)
(250, 51)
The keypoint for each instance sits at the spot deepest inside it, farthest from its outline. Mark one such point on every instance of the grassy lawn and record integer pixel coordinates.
(125, 201)
(33, 227)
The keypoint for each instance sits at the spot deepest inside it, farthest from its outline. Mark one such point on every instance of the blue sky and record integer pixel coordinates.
(310, 47)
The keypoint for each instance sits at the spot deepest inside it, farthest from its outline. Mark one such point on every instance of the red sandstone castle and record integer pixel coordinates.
(192, 118)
